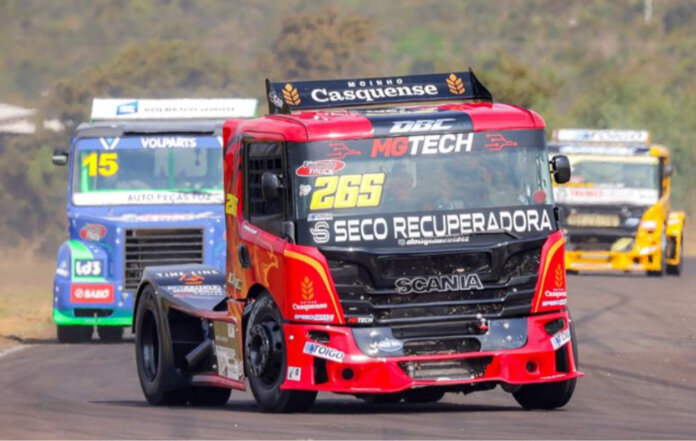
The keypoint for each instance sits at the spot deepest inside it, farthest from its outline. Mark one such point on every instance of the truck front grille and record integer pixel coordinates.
(160, 246)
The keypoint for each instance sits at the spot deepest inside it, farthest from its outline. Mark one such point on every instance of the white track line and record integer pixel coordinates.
(12, 349)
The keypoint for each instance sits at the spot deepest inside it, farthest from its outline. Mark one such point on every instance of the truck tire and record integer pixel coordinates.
(155, 365)
(424, 395)
(110, 334)
(266, 361)
(207, 396)
(676, 270)
(549, 396)
(74, 334)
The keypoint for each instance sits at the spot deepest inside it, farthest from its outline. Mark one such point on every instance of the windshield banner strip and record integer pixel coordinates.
(146, 198)
(150, 142)
(425, 228)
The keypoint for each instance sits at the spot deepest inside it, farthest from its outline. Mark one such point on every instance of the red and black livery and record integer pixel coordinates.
(389, 252)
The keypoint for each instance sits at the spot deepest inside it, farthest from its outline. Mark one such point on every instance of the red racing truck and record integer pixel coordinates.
(375, 249)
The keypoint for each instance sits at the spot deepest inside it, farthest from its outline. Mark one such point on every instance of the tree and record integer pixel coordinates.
(323, 44)
(33, 191)
(514, 83)
(157, 69)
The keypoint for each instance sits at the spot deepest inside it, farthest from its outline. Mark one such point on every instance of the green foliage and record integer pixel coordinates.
(320, 45)
(594, 63)
(156, 69)
(33, 191)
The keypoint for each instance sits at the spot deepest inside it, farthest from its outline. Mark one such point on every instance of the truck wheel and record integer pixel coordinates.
(207, 396)
(155, 365)
(425, 395)
(676, 270)
(74, 334)
(549, 395)
(265, 359)
(110, 334)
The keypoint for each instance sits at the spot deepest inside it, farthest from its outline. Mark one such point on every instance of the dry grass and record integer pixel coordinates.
(690, 238)
(25, 298)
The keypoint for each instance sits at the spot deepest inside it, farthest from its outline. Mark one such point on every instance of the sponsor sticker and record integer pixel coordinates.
(92, 293)
(429, 228)
(195, 290)
(192, 278)
(321, 167)
(305, 190)
(312, 217)
(88, 268)
(164, 217)
(294, 373)
(325, 352)
(560, 339)
(441, 283)
(129, 108)
(361, 319)
(93, 232)
(126, 197)
(389, 345)
(315, 317)
(109, 143)
(179, 274)
(498, 141)
(62, 269)
(169, 142)
(440, 144)
(340, 150)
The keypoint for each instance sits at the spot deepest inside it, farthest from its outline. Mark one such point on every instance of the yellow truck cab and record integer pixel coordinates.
(616, 206)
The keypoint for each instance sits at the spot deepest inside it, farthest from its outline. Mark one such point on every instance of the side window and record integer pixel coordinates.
(262, 157)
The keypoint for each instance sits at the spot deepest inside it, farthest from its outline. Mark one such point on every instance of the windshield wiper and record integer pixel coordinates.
(499, 231)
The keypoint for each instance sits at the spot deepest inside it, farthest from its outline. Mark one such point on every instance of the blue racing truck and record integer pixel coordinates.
(145, 188)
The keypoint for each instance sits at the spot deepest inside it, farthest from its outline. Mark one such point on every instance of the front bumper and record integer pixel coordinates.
(356, 373)
(116, 312)
(117, 318)
(642, 259)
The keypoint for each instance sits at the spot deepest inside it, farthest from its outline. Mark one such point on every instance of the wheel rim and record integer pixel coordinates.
(264, 351)
(149, 349)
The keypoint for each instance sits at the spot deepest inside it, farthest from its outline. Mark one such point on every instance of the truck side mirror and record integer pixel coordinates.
(270, 186)
(60, 157)
(668, 170)
(560, 166)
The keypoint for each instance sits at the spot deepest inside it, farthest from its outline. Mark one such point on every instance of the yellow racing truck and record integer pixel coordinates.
(616, 207)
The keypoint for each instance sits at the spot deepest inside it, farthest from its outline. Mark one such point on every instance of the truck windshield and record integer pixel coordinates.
(147, 170)
(421, 190)
(611, 179)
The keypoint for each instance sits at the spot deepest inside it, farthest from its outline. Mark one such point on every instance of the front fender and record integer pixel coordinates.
(73, 252)
(193, 288)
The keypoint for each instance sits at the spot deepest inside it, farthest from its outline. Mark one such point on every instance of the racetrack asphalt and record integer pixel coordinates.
(637, 350)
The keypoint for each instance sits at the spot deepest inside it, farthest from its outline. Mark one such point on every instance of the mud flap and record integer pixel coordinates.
(228, 350)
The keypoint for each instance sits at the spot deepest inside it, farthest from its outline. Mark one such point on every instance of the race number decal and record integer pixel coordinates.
(101, 164)
(347, 191)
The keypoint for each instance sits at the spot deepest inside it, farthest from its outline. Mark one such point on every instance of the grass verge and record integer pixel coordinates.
(25, 299)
